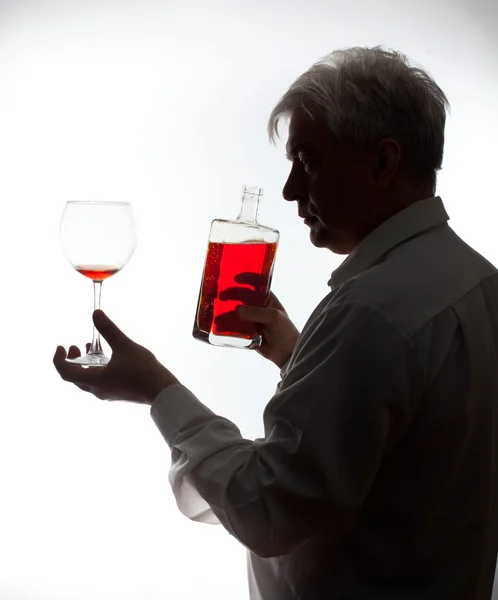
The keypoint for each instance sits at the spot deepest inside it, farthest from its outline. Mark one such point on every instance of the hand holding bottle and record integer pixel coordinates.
(279, 333)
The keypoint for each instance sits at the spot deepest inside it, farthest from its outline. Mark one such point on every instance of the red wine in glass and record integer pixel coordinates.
(97, 272)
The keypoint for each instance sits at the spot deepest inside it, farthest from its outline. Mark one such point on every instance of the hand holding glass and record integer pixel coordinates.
(98, 239)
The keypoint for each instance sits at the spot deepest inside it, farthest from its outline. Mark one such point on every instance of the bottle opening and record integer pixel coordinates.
(252, 190)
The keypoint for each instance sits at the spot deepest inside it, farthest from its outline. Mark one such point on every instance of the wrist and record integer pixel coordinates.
(282, 360)
(158, 381)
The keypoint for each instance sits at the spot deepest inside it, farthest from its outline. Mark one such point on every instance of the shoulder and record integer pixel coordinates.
(419, 281)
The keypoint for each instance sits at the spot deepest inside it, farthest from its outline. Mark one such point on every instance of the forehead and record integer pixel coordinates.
(305, 130)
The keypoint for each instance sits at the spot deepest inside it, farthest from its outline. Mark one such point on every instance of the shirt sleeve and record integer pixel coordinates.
(349, 392)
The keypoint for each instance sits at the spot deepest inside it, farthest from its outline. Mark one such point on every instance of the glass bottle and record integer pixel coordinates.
(238, 270)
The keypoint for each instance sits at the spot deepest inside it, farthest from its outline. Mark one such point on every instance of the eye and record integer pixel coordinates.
(307, 162)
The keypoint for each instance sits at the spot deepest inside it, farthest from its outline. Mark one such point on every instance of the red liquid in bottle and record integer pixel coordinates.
(223, 263)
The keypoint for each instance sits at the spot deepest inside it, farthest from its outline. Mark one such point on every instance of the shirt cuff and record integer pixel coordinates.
(175, 408)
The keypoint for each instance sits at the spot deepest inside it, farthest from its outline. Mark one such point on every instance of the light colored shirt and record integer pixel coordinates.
(377, 477)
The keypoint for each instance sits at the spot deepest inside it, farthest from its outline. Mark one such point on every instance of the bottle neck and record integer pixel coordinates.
(250, 205)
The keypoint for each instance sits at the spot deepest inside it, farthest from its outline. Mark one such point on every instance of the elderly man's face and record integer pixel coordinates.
(336, 194)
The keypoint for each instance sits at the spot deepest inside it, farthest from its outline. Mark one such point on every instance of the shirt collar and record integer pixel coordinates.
(411, 221)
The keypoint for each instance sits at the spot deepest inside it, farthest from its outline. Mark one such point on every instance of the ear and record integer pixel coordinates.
(388, 156)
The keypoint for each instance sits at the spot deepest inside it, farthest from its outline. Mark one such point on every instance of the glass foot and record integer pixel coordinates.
(90, 360)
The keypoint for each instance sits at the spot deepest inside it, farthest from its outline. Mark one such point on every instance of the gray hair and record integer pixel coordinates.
(368, 94)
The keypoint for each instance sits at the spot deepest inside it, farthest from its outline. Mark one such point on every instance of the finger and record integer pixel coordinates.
(229, 322)
(70, 372)
(240, 294)
(74, 352)
(258, 314)
(88, 346)
(60, 355)
(109, 330)
(254, 279)
(275, 303)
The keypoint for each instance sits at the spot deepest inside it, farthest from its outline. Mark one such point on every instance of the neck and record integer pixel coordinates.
(392, 206)
(401, 200)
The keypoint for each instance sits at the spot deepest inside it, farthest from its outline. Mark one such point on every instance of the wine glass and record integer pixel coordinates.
(98, 239)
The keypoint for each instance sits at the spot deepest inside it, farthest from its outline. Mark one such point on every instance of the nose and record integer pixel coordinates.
(295, 187)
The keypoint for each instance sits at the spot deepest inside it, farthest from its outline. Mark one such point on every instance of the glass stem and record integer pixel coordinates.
(96, 347)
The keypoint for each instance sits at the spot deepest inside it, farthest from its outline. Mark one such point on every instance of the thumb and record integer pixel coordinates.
(258, 314)
(109, 331)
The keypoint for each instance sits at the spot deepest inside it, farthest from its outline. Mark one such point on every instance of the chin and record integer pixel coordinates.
(320, 239)
(338, 249)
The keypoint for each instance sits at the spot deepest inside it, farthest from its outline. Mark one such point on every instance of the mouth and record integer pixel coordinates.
(309, 220)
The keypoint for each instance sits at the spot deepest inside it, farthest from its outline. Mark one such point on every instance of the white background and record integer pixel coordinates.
(164, 104)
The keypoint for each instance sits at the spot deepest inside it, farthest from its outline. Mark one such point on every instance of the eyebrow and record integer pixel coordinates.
(295, 149)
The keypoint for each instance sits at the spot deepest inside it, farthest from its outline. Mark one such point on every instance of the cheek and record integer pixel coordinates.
(324, 192)
(331, 199)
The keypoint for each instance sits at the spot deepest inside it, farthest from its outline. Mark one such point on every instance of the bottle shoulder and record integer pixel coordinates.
(229, 224)
(239, 232)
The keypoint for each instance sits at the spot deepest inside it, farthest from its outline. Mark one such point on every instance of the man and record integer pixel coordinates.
(378, 474)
